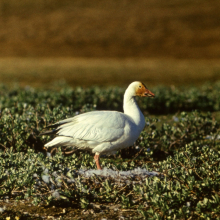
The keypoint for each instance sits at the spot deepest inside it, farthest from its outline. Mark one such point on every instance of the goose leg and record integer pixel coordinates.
(96, 157)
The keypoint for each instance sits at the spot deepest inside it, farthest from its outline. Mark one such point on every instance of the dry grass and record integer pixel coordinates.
(153, 28)
(44, 72)
(109, 42)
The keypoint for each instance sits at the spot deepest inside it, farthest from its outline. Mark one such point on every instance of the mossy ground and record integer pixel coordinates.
(77, 209)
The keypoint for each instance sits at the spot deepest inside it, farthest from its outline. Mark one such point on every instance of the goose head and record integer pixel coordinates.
(139, 89)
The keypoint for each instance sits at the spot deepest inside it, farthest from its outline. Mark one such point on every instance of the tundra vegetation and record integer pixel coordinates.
(180, 144)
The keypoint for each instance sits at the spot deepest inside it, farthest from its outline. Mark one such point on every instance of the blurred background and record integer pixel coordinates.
(97, 42)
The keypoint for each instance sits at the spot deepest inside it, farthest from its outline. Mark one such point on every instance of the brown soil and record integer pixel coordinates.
(51, 72)
(24, 210)
(117, 29)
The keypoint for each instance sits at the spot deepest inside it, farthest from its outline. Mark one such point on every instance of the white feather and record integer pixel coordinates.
(103, 131)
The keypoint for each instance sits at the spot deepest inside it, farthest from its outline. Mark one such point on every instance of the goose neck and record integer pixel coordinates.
(132, 109)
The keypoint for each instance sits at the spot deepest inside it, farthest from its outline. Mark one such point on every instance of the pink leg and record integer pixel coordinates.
(96, 157)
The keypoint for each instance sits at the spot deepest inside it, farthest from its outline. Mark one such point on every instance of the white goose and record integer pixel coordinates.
(103, 132)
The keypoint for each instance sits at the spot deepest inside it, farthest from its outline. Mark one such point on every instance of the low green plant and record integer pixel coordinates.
(184, 151)
(167, 99)
(186, 185)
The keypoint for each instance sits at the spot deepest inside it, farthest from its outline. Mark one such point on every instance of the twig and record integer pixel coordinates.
(69, 152)
(3, 146)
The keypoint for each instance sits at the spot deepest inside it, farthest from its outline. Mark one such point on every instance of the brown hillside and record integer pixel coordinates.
(116, 28)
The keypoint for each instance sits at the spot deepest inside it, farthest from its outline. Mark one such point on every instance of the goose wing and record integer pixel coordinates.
(100, 126)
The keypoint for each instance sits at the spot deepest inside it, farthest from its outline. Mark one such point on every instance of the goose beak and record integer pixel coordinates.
(148, 93)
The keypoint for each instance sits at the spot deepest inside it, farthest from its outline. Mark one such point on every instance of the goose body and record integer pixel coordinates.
(103, 132)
